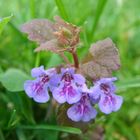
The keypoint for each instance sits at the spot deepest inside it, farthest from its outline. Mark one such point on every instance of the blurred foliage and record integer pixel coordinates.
(98, 19)
(3, 22)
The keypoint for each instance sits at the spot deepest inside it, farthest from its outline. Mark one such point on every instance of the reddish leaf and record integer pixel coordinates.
(60, 23)
(39, 30)
(51, 45)
(56, 37)
(104, 58)
(67, 33)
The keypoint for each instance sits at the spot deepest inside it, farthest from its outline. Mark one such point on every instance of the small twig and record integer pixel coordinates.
(75, 58)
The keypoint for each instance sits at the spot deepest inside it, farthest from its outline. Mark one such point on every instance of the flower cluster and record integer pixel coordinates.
(70, 84)
(70, 87)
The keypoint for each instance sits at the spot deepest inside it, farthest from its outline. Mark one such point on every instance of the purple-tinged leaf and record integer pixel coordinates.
(39, 30)
(51, 45)
(60, 23)
(104, 58)
(42, 31)
(56, 37)
(67, 33)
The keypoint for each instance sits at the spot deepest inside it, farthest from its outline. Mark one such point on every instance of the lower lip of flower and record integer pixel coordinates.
(109, 99)
(39, 86)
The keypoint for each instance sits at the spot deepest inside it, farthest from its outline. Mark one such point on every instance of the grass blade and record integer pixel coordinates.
(99, 11)
(52, 127)
(61, 9)
(130, 83)
(13, 120)
(3, 22)
(32, 8)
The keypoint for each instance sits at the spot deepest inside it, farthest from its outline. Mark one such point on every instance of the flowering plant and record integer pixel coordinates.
(81, 85)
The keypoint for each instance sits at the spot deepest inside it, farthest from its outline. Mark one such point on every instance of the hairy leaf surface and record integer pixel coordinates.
(104, 59)
(39, 30)
(52, 36)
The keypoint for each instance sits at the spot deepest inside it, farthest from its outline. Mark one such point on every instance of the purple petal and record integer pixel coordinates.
(84, 88)
(95, 93)
(42, 96)
(69, 70)
(55, 80)
(88, 113)
(84, 112)
(59, 95)
(36, 72)
(116, 102)
(28, 87)
(75, 112)
(79, 79)
(112, 87)
(73, 95)
(34, 89)
(50, 72)
(105, 104)
(108, 104)
(106, 80)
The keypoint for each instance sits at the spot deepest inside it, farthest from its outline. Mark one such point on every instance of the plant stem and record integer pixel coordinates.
(37, 60)
(75, 58)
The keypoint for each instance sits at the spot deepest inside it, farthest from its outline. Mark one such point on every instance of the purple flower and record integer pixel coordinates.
(104, 91)
(68, 83)
(38, 88)
(83, 110)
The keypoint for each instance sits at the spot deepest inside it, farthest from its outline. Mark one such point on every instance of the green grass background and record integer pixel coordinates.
(117, 19)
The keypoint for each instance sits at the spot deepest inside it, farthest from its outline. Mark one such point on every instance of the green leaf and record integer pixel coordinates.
(13, 80)
(52, 127)
(129, 83)
(4, 21)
